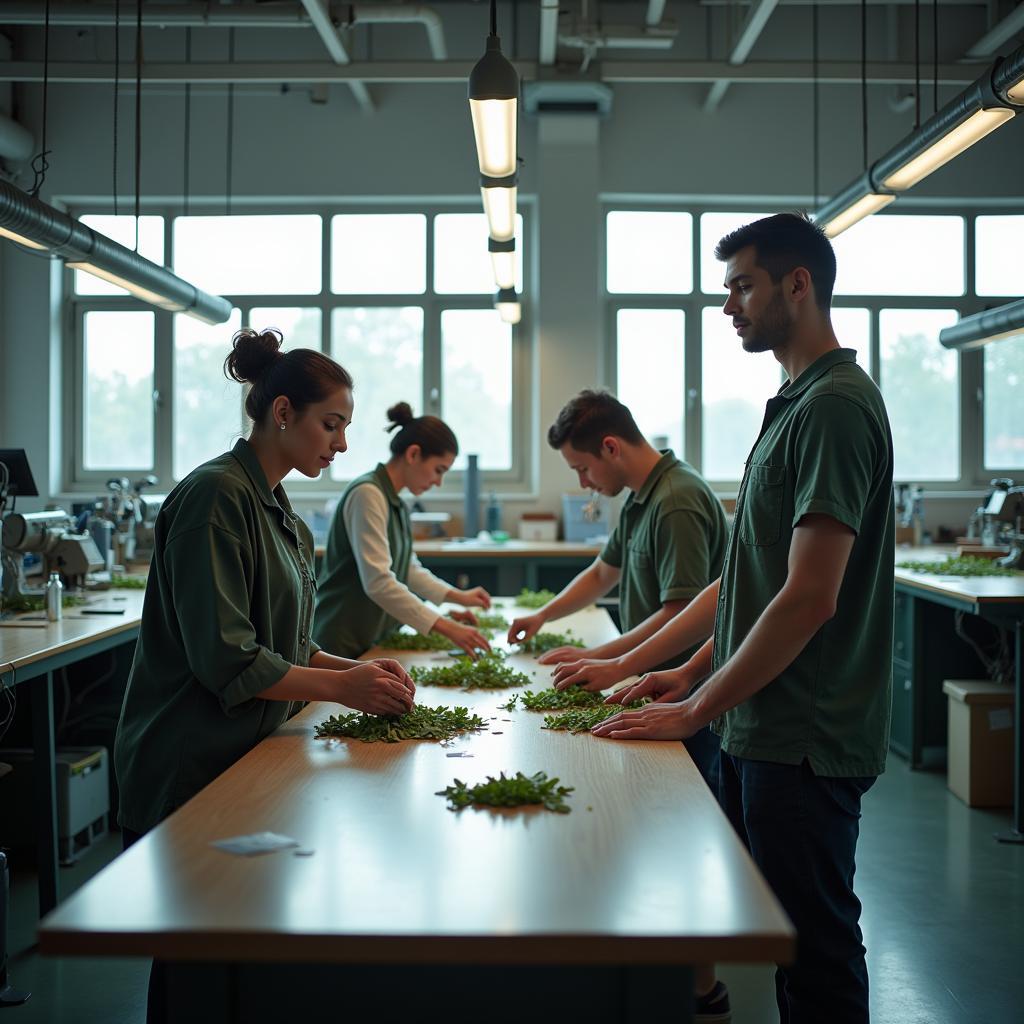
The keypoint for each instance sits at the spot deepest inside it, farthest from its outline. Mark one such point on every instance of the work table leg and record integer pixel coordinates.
(44, 749)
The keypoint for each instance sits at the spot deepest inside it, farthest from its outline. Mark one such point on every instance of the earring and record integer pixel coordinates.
(282, 426)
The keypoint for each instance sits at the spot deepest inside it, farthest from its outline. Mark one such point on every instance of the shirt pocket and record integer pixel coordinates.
(639, 558)
(761, 519)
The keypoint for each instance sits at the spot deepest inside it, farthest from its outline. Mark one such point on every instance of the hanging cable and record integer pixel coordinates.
(935, 56)
(815, 134)
(40, 165)
(231, 124)
(494, 17)
(864, 76)
(138, 118)
(187, 154)
(117, 88)
(917, 64)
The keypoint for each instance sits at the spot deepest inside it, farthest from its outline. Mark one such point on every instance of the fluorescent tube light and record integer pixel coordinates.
(21, 239)
(500, 207)
(154, 298)
(863, 207)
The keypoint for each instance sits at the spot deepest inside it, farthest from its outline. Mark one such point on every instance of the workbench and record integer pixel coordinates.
(925, 652)
(406, 910)
(30, 654)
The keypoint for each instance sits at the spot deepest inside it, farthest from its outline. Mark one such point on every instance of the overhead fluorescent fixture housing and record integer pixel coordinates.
(500, 200)
(37, 224)
(493, 103)
(503, 260)
(853, 204)
(1008, 78)
(981, 328)
(506, 302)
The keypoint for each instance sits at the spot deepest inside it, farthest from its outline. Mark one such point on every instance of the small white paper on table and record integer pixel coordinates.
(258, 842)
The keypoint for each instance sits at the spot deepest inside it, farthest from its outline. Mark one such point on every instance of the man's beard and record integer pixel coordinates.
(772, 329)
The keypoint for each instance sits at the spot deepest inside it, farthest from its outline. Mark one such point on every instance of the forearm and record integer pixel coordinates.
(583, 591)
(626, 642)
(306, 683)
(324, 660)
(783, 630)
(693, 625)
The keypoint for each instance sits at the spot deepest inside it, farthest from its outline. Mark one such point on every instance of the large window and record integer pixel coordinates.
(676, 361)
(403, 300)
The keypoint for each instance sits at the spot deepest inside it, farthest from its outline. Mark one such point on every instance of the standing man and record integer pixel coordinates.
(800, 674)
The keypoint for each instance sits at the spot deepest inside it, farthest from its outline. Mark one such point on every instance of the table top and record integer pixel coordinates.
(447, 548)
(976, 589)
(26, 639)
(645, 868)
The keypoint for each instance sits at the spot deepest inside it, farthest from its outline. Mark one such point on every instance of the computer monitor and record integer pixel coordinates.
(17, 481)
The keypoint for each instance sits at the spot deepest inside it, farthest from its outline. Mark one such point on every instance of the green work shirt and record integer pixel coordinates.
(825, 447)
(668, 544)
(227, 613)
(348, 622)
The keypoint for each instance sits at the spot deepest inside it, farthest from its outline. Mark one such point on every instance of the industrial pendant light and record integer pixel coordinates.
(493, 102)
(506, 302)
(503, 260)
(500, 207)
(984, 327)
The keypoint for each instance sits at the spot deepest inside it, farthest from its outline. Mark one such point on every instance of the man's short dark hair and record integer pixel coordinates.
(783, 243)
(589, 418)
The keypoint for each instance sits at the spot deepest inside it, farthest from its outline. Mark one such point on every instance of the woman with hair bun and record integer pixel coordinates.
(224, 654)
(370, 581)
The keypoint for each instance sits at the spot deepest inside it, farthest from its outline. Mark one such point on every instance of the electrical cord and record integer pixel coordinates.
(817, 118)
(187, 149)
(997, 663)
(138, 118)
(864, 76)
(117, 87)
(917, 63)
(40, 165)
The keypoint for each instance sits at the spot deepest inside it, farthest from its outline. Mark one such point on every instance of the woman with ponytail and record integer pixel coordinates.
(224, 654)
(370, 581)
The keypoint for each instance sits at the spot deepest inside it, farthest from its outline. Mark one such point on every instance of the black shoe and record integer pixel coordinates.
(714, 1007)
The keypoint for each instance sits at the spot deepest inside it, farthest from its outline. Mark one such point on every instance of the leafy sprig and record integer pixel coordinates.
(557, 700)
(542, 642)
(518, 790)
(488, 672)
(534, 598)
(584, 719)
(963, 565)
(488, 621)
(510, 704)
(420, 723)
(397, 641)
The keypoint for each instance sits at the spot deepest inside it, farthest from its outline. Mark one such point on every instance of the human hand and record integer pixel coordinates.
(651, 722)
(468, 638)
(525, 627)
(476, 597)
(589, 674)
(467, 618)
(397, 669)
(557, 655)
(372, 688)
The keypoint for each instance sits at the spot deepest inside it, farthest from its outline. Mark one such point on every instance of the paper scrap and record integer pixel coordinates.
(258, 842)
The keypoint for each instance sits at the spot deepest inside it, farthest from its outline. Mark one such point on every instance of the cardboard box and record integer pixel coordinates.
(541, 526)
(981, 732)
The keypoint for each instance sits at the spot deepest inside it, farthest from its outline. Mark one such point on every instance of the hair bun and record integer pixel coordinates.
(399, 415)
(253, 353)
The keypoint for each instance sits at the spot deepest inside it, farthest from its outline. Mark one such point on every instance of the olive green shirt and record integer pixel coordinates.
(348, 622)
(668, 544)
(227, 613)
(825, 447)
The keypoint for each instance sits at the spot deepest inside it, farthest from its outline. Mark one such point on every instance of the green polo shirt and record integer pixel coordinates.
(824, 447)
(227, 613)
(668, 544)
(348, 621)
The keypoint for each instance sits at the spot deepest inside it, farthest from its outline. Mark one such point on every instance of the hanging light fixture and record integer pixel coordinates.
(989, 325)
(506, 302)
(503, 260)
(500, 208)
(493, 102)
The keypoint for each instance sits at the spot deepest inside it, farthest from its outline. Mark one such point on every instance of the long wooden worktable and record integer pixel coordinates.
(31, 650)
(423, 913)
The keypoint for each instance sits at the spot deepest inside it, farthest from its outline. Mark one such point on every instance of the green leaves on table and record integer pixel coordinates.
(397, 641)
(510, 704)
(584, 719)
(518, 790)
(556, 700)
(488, 672)
(29, 603)
(964, 565)
(533, 598)
(542, 642)
(420, 723)
(488, 620)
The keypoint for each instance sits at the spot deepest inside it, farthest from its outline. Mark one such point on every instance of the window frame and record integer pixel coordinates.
(516, 480)
(973, 474)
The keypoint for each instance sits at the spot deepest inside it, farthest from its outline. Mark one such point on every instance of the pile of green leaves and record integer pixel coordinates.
(584, 719)
(488, 672)
(128, 583)
(549, 641)
(518, 790)
(533, 598)
(37, 604)
(421, 723)
(963, 565)
(489, 620)
(414, 642)
(557, 700)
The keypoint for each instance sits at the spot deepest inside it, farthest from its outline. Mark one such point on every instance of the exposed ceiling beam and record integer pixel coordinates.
(455, 71)
(655, 11)
(320, 15)
(998, 34)
(757, 18)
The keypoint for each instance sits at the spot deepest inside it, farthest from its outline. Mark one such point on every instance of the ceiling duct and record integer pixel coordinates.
(981, 328)
(31, 222)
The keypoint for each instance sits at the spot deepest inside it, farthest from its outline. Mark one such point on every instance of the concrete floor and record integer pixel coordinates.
(943, 923)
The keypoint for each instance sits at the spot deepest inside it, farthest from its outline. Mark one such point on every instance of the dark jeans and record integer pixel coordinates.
(155, 1000)
(704, 748)
(801, 830)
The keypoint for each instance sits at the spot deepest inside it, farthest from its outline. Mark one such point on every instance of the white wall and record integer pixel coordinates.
(656, 142)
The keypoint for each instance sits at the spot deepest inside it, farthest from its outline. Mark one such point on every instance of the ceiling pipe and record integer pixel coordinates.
(402, 14)
(331, 36)
(751, 31)
(621, 37)
(16, 141)
(655, 10)
(985, 327)
(165, 15)
(998, 34)
(548, 32)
